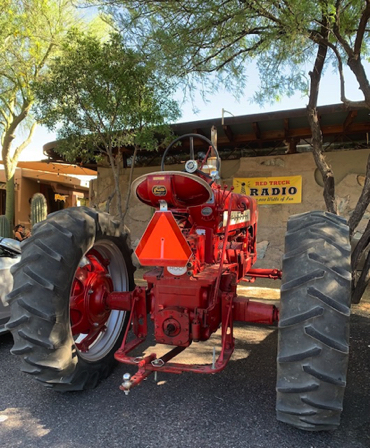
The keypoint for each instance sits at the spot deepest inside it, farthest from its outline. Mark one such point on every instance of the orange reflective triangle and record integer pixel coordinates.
(163, 244)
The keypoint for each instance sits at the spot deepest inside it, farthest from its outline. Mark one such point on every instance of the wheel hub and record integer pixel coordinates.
(88, 310)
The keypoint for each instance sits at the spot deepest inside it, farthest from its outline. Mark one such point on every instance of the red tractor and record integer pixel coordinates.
(75, 310)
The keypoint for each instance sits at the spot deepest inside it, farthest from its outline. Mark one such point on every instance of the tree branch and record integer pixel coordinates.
(360, 247)
(362, 28)
(362, 203)
(362, 282)
(130, 182)
(317, 149)
(44, 59)
(25, 143)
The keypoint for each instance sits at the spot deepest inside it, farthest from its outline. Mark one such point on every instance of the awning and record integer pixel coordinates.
(61, 168)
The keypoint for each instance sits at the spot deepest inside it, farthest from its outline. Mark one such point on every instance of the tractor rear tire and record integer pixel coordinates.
(313, 340)
(76, 256)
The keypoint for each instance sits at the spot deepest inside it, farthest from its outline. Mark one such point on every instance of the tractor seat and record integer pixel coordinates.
(177, 189)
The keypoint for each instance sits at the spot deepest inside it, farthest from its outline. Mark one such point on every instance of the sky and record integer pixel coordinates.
(329, 94)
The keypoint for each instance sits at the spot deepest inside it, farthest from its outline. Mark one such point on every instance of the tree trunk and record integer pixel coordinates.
(360, 248)
(128, 196)
(355, 64)
(362, 203)
(115, 162)
(9, 207)
(359, 287)
(118, 161)
(363, 281)
(324, 168)
(317, 140)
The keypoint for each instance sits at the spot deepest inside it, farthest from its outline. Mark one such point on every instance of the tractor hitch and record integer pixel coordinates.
(233, 308)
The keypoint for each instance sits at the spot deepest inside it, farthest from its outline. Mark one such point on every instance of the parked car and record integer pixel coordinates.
(10, 253)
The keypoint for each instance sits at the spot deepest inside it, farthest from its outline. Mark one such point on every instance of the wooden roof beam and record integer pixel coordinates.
(349, 119)
(228, 132)
(256, 130)
(286, 127)
(292, 145)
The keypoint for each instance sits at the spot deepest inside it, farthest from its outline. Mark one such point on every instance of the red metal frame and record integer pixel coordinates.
(189, 303)
(234, 308)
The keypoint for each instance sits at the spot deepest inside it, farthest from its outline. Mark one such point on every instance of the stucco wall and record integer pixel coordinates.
(347, 166)
(28, 183)
(27, 188)
(24, 190)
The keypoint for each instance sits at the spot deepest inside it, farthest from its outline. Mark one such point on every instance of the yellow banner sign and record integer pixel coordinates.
(60, 197)
(271, 190)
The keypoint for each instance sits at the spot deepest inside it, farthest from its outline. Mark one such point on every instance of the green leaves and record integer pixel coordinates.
(30, 31)
(102, 95)
(192, 39)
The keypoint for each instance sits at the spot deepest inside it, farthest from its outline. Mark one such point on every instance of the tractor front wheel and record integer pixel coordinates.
(62, 328)
(314, 322)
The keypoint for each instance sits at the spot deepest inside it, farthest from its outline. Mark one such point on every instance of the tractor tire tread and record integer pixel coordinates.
(314, 321)
(36, 311)
(300, 356)
(341, 308)
(340, 346)
(41, 293)
(302, 317)
(323, 376)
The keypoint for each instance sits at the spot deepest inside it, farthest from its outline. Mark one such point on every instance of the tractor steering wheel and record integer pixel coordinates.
(191, 165)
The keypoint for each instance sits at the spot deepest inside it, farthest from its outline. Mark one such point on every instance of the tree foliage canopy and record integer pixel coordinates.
(30, 31)
(222, 36)
(100, 95)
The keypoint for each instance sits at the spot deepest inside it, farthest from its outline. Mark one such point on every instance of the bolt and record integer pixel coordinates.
(90, 291)
(95, 324)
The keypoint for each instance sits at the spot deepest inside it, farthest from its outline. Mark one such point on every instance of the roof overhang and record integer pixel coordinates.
(281, 132)
(57, 168)
(52, 178)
